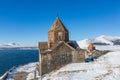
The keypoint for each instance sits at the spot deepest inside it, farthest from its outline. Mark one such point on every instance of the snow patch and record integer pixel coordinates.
(30, 68)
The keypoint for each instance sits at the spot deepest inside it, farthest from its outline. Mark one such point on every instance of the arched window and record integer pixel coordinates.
(60, 36)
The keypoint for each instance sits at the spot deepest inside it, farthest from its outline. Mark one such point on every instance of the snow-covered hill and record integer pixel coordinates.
(100, 41)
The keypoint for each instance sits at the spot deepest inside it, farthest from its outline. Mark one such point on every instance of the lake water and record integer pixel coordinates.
(10, 58)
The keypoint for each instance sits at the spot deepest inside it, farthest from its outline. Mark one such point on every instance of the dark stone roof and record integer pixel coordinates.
(73, 44)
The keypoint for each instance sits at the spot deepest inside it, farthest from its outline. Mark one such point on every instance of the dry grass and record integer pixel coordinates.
(67, 72)
(20, 76)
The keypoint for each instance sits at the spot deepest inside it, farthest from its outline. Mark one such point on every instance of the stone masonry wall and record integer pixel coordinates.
(55, 59)
(78, 55)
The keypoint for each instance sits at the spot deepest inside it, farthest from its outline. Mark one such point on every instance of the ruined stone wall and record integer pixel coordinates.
(55, 59)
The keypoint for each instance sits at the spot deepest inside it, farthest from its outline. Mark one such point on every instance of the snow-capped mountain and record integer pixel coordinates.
(108, 40)
(16, 46)
(101, 40)
(10, 45)
(13, 44)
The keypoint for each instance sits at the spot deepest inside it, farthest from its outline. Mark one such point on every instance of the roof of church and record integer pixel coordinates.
(59, 45)
(58, 24)
(62, 42)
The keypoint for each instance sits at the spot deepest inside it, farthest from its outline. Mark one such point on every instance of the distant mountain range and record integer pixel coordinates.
(16, 46)
(101, 40)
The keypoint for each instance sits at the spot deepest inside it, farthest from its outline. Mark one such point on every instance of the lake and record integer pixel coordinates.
(10, 58)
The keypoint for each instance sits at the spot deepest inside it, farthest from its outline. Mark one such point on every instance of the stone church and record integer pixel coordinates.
(59, 50)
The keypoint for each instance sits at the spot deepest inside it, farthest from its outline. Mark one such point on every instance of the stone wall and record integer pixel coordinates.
(78, 55)
(56, 58)
(43, 46)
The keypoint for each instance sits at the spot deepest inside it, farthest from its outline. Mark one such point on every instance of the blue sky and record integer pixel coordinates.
(27, 21)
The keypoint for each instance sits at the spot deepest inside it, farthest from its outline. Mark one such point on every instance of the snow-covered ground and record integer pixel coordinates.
(106, 67)
(29, 68)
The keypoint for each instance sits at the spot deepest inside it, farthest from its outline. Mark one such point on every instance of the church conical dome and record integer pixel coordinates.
(58, 25)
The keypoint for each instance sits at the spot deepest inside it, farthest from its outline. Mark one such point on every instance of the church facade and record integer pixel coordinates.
(59, 50)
